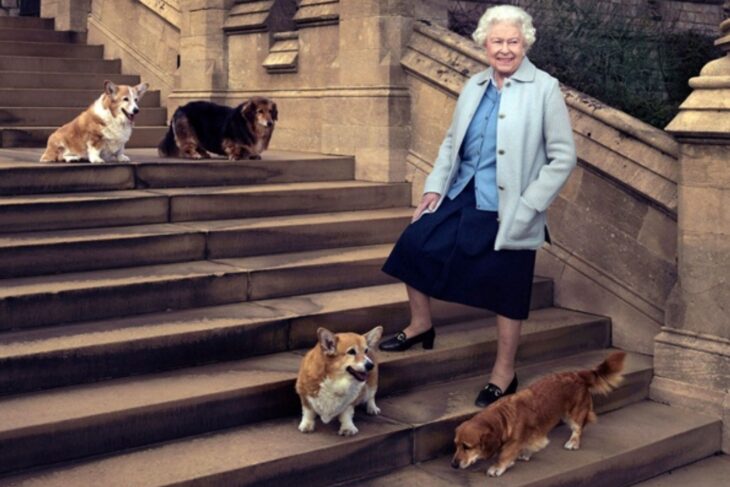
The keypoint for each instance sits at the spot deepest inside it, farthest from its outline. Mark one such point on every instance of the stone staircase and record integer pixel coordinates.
(48, 77)
(153, 316)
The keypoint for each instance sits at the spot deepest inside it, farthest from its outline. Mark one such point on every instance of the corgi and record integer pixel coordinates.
(336, 375)
(201, 127)
(517, 425)
(100, 132)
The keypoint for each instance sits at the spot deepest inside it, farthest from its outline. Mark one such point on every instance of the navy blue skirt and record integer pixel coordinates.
(449, 255)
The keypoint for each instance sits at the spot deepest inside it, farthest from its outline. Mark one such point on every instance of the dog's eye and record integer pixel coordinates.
(126, 98)
(352, 351)
(367, 350)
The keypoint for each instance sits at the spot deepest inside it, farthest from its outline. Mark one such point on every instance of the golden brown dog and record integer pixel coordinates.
(336, 375)
(517, 425)
(100, 132)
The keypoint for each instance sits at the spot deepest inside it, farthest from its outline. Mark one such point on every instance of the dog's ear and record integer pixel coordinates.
(249, 111)
(489, 442)
(110, 88)
(274, 112)
(327, 340)
(141, 89)
(373, 336)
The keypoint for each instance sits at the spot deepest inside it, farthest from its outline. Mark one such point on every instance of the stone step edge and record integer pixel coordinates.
(282, 390)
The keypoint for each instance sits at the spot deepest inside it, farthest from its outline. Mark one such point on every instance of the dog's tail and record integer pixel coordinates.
(607, 376)
(167, 146)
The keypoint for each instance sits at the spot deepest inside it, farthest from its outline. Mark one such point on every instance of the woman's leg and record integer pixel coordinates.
(420, 305)
(508, 339)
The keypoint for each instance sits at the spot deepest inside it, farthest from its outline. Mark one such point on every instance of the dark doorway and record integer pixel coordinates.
(30, 8)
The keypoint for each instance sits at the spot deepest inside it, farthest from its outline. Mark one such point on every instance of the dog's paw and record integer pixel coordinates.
(96, 160)
(572, 444)
(495, 471)
(348, 430)
(123, 158)
(306, 426)
(372, 409)
(525, 457)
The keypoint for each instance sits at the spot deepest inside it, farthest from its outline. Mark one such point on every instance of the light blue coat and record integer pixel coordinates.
(535, 151)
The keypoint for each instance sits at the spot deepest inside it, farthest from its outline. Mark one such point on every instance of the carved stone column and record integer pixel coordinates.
(370, 117)
(692, 353)
(68, 14)
(203, 72)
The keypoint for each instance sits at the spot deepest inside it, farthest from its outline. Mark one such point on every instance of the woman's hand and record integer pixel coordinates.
(429, 201)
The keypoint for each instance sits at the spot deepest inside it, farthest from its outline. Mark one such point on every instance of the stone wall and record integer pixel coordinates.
(9, 8)
(614, 224)
(145, 35)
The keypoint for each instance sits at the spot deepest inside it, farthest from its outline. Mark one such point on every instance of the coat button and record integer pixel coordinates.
(507, 83)
(501, 188)
(502, 115)
(500, 152)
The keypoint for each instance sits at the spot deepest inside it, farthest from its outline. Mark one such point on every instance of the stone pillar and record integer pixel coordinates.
(203, 71)
(371, 116)
(692, 353)
(68, 14)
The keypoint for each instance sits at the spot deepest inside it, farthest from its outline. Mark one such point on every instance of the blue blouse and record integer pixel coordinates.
(478, 153)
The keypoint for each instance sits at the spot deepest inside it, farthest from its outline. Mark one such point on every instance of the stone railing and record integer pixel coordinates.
(614, 224)
(144, 34)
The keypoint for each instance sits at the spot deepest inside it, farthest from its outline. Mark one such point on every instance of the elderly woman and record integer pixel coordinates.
(473, 237)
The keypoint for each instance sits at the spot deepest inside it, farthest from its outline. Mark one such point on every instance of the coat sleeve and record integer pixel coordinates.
(437, 180)
(560, 151)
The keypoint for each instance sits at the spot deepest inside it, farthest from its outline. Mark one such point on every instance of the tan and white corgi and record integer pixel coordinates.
(336, 375)
(100, 132)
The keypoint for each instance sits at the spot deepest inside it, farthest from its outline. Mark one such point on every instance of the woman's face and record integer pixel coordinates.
(505, 48)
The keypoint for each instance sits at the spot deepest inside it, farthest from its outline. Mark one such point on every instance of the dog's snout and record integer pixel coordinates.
(135, 110)
(369, 365)
(269, 124)
(454, 463)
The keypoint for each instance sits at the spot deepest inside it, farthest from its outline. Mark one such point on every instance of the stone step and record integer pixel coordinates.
(61, 81)
(142, 136)
(72, 66)
(38, 253)
(41, 35)
(25, 23)
(258, 236)
(624, 447)
(81, 210)
(44, 116)
(118, 208)
(49, 300)
(80, 99)
(50, 49)
(20, 172)
(713, 471)
(188, 204)
(55, 356)
(133, 412)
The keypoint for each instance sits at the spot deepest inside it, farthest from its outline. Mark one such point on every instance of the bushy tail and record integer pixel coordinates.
(167, 146)
(607, 376)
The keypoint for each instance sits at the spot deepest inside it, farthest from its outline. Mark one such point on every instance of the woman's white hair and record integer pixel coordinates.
(505, 14)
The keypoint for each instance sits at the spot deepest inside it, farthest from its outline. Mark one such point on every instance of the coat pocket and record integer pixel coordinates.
(525, 224)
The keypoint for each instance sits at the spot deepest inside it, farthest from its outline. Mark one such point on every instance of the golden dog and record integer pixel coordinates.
(517, 425)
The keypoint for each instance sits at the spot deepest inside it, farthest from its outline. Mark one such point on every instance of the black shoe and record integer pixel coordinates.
(400, 342)
(491, 393)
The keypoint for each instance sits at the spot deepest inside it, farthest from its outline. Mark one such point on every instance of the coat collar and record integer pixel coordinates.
(525, 73)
